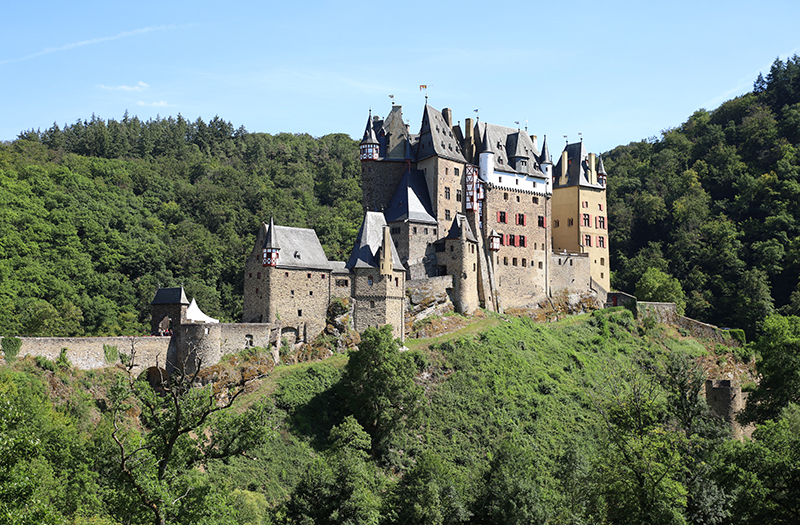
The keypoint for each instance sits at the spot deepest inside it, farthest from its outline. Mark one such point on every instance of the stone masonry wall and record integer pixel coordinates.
(569, 272)
(86, 353)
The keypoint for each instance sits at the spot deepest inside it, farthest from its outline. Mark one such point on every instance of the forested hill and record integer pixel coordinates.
(715, 203)
(95, 215)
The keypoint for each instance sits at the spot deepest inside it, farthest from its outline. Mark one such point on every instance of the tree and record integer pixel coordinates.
(779, 366)
(184, 427)
(655, 285)
(379, 386)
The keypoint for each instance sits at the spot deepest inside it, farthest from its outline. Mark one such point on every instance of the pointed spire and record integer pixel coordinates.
(271, 243)
(485, 146)
(600, 168)
(546, 159)
(369, 132)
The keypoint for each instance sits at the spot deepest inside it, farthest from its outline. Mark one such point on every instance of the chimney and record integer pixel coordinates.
(592, 172)
(469, 139)
(564, 164)
(535, 141)
(386, 262)
(447, 113)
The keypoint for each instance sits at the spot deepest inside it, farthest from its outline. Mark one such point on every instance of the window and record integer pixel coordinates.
(555, 223)
(415, 230)
(425, 231)
(542, 221)
(514, 261)
(473, 267)
(503, 239)
(250, 275)
(523, 241)
(601, 242)
(451, 247)
(447, 193)
(292, 292)
(299, 313)
(587, 240)
(322, 276)
(447, 215)
(286, 274)
(397, 282)
(311, 292)
(499, 180)
(600, 207)
(372, 304)
(342, 283)
(505, 196)
(458, 195)
(601, 223)
(570, 222)
(535, 200)
(369, 280)
(524, 262)
(602, 261)
(585, 204)
(540, 265)
(521, 219)
(256, 290)
(501, 217)
(455, 172)
(587, 219)
(505, 261)
(308, 276)
(258, 275)
(512, 240)
(446, 169)
(395, 230)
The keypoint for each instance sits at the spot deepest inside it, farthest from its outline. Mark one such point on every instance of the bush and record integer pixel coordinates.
(737, 334)
(112, 354)
(63, 362)
(44, 363)
(11, 346)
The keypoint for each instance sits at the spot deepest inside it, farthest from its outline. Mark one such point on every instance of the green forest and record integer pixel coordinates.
(593, 419)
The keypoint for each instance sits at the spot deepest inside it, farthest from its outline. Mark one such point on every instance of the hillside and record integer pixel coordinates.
(592, 419)
(714, 203)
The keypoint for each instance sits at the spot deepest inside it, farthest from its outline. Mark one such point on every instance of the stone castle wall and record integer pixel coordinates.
(569, 272)
(86, 353)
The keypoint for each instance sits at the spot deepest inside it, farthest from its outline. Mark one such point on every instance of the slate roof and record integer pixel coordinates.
(545, 156)
(411, 201)
(170, 296)
(437, 138)
(368, 243)
(506, 144)
(577, 168)
(300, 247)
(271, 242)
(459, 223)
(369, 132)
(600, 167)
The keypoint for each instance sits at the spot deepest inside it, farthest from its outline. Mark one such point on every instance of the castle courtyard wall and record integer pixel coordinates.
(569, 272)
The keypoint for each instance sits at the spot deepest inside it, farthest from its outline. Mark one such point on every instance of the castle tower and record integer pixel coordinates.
(546, 162)
(169, 310)
(580, 215)
(378, 278)
(369, 147)
(380, 174)
(726, 399)
(458, 254)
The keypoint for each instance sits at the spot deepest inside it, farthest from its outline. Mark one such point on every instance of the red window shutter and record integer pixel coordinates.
(507, 239)
(595, 223)
(523, 219)
(498, 216)
(544, 223)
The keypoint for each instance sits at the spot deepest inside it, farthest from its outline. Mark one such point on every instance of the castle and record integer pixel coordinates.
(483, 205)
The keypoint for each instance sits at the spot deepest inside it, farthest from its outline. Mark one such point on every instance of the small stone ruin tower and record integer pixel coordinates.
(169, 310)
(726, 399)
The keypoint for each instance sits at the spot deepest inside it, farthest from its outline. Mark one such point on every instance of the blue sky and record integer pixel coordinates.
(614, 71)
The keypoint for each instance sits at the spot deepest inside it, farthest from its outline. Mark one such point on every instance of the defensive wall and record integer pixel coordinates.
(667, 313)
(569, 272)
(87, 353)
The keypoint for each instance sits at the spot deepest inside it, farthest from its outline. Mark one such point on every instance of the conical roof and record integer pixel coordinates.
(271, 242)
(369, 241)
(545, 157)
(460, 225)
(600, 167)
(369, 132)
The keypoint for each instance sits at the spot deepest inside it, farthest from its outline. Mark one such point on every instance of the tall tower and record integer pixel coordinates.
(580, 215)
(270, 251)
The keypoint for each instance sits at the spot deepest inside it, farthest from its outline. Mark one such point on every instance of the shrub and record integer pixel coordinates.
(11, 346)
(63, 362)
(737, 334)
(44, 363)
(112, 354)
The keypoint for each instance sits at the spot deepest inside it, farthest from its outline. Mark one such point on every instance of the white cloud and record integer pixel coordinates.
(159, 104)
(66, 47)
(138, 87)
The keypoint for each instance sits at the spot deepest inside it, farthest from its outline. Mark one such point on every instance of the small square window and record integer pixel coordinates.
(299, 313)
(311, 292)
(369, 280)
(308, 275)
(286, 274)
(447, 215)
(258, 275)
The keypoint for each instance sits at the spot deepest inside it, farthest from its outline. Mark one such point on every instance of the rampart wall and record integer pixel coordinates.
(668, 313)
(86, 353)
(569, 272)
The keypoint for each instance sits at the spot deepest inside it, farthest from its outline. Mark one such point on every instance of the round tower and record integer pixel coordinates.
(369, 147)
(271, 249)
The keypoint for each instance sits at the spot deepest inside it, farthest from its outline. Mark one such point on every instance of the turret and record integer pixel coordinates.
(270, 251)
(486, 156)
(494, 241)
(601, 172)
(370, 147)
